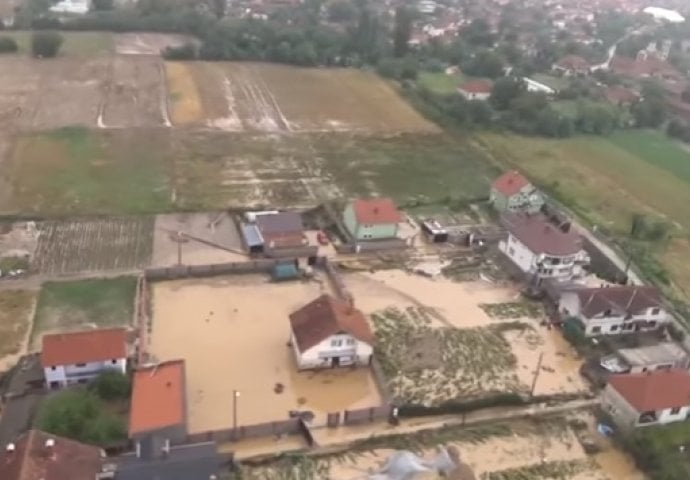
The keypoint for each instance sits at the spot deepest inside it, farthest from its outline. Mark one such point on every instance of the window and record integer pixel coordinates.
(614, 328)
(651, 324)
(350, 341)
(675, 411)
(511, 251)
(655, 311)
(628, 326)
(80, 365)
(336, 343)
(53, 368)
(113, 361)
(596, 329)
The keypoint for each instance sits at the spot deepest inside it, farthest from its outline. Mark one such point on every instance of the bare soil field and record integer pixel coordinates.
(258, 97)
(206, 238)
(93, 245)
(229, 344)
(16, 312)
(135, 93)
(461, 350)
(147, 43)
(83, 305)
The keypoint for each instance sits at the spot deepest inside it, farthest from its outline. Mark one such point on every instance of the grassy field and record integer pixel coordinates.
(83, 171)
(77, 44)
(440, 82)
(15, 312)
(134, 171)
(83, 304)
(608, 180)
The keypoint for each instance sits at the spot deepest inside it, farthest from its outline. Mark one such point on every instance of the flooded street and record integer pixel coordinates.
(233, 334)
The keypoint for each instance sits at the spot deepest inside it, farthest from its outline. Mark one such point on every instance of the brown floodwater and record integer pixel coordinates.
(233, 334)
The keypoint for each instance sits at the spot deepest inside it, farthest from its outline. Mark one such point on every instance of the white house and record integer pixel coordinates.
(538, 87)
(78, 357)
(614, 310)
(330, 333)
(541, 250)
(512, 192)
(652, 398)
(662, 356)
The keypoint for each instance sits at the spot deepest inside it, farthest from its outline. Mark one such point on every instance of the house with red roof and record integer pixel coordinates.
(614, 310)
(512, 192)
(651, 398)
(571, 65)
(329, 332)
(541, 250)
(476, 89)
(372, 219)
(77, 357)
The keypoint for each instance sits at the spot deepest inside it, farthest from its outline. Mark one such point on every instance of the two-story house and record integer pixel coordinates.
(372, 219)
(78, 357)
(614, 310)
(541, 250)
(512, 192)
(651, 398)
(329, 333)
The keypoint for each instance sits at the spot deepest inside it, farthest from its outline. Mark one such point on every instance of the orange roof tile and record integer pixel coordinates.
(158, 397)
(84, 347)
(510, 183)
(375, 211)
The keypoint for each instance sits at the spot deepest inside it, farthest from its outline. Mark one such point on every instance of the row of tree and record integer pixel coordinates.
(43, 44)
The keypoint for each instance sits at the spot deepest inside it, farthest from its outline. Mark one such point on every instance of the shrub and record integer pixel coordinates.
(111, 385)
(8, 45)
(188, 51)
(46, 44)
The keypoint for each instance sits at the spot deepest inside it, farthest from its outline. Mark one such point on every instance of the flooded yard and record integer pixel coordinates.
(233, 333)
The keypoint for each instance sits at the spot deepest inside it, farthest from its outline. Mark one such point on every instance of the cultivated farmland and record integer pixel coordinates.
(90, 245)
(16, 308)
(272, 98)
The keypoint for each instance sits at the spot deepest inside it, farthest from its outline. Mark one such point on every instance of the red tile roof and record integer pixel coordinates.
(573, 62)
(510, 183)
(376, 211)
(327, 316)
(84, 347)
(477, 86)
(656, 390)
(158, 397)
(649, 66)
(540, 236)
(620, 300)
(66, 459)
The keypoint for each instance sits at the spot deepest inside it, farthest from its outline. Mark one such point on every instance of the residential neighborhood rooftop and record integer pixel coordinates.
(282, 222)
(651, 391)
(618, 299)
(666, 352)
(196, 461)
(84, 347)
(374, 211)
(510, 183)
(158, 397)
(328, 316)
(477, 86)
(541, 236)
(573, 62)
(37, 455)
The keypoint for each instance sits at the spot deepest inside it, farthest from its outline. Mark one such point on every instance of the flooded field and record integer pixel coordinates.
(534, 450)
(229, 343)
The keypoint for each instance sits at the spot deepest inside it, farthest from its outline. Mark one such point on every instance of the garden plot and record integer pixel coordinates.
(258, 97)
(233, 332)
(428, 366)
(135, 94)
(511, 310)
(91, 245)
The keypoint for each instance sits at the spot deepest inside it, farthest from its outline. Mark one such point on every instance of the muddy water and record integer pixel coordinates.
(458, 303)
(560, 366)
(233, 334)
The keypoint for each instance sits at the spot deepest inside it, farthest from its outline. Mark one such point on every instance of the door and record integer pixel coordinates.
(335, 361)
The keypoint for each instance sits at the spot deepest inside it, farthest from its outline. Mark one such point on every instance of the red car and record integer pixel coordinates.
(322, 238)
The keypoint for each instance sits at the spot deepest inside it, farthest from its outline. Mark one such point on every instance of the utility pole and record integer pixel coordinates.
(536, 374)
(235, 396)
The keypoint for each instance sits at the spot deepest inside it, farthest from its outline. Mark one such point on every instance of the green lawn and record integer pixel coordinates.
(84, 304)
(657, 149)
(440, 82)
(77, 44)
(86, 171)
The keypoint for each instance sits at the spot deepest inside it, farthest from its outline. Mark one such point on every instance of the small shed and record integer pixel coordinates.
(285, 271)
(434, 231)
(252, 238)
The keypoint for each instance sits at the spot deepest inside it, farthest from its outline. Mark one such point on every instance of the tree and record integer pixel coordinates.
(478, 33)
(217, 7)
(45, 44)
(8, 45)
(402, 31)
(505, 90)
(188, 51)
(486, 63)
(111, 385)
(341, 11)
(102, 5)
(479, 112)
